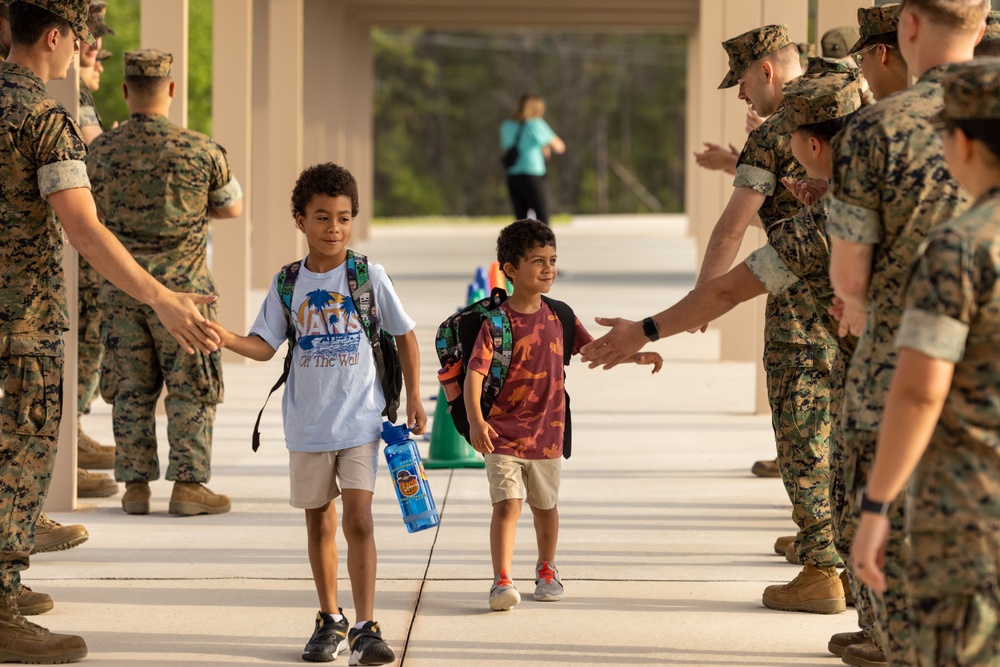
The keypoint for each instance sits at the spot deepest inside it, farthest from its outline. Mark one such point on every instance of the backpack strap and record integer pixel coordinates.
(286, 287)
(568, 320)
(364, 302)
(503, 346)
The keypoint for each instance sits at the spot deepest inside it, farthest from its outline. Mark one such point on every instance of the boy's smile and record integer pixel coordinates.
(327, 226)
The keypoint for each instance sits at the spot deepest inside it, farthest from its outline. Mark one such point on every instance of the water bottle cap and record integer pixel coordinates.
(392, 433)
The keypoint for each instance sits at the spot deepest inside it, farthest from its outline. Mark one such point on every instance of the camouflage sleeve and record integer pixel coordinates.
(226, 196)
(859, 165)
(757, 166)
(800, 242)
(224, 189)
(772, 272)
(88, 117)
(940, 299)
(59, 152)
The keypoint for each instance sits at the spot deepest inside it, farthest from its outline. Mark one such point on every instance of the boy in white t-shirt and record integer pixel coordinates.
(333, 403)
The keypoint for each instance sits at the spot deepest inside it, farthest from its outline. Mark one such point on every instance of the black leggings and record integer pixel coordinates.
(528, 192)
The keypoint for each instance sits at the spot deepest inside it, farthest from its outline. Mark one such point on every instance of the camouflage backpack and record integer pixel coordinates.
(384, 350)
(456, 339)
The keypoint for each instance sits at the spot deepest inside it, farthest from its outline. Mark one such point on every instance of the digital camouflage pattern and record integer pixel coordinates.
(972, 92)
(41, 152)
(992, 26)
(875, 21)
(148, 62)
(953, 587)
(88, 108)
(140, 358)
(890, 187)
(817, 99)
(75, 11)
(154, 183)
(751, 46)
(95, 19)
(89, 282)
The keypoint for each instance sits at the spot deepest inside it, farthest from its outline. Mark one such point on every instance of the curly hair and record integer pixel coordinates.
(324, 179)
(518, 238)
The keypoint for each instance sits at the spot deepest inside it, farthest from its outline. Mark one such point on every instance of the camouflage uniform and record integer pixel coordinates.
(154, 183)
(952, 313)
(41, 152)
(890, 187)
(797, 359)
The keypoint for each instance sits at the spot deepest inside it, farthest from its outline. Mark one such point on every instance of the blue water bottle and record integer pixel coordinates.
(412, 489)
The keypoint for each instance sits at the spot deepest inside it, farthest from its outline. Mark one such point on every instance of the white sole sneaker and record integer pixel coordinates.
(504, 599)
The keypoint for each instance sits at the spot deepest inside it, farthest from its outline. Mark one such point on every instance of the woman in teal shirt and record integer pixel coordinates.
(535, 143)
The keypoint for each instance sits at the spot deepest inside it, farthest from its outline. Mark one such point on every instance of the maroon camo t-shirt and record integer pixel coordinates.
(529, 414)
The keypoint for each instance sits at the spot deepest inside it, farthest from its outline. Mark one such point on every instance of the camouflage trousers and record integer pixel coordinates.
(845, 524)
(800, 414)
(140, 357)
(88, 348)
(955, 598)
(31, 374)
(892, 631)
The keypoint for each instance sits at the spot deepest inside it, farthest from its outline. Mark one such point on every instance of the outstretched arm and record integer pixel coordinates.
(409, 359)
(703, 304)
(727, 235)
(251, 347)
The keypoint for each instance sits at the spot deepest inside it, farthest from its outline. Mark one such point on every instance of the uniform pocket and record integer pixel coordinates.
(32, 403)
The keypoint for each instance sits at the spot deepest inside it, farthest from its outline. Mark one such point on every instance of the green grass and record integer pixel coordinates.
(429, 220)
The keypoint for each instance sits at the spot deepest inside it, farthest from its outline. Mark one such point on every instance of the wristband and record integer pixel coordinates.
(651, 329)
(869, 505)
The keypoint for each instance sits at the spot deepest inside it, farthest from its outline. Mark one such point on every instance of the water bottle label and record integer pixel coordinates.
(407, 483)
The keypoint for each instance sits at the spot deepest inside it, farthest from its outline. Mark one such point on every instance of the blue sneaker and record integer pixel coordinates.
(328, 639)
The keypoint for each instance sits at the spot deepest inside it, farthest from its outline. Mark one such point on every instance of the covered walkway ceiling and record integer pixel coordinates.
(631, 15)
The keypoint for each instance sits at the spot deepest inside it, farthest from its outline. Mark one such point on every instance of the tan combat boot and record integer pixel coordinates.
(136, 498)
(766, 469)
(791, 555)
(94, 484)
(864, 655)
(815, 590)
(782, 543)
(91, 454)
(30, 603)
(190, 498)
(23, 641)
(53, 536)
(846, 583)
(842, 640)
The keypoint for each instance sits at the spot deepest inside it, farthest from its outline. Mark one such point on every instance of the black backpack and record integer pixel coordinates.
(390, 373)
(512, 153)
(456, 338)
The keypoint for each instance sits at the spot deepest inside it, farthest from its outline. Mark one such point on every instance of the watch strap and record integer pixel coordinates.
(651, 329)
(869, 505)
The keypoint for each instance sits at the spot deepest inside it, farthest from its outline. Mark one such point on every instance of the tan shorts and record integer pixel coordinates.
(510, 477)
(317, 477)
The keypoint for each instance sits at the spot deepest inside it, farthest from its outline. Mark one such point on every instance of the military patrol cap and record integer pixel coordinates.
(806, 49)
(875, 21)
(992, 26)
(74, 11)
(971, 92)
(104, 54)
(95, 20)
(816, 99)
(750, 47)
(148, 62)
(837, 42)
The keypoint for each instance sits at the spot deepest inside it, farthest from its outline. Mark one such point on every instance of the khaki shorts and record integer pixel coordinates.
(314, 476)
(510, 477)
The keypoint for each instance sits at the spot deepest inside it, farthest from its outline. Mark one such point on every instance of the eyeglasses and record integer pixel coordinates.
(859, 56)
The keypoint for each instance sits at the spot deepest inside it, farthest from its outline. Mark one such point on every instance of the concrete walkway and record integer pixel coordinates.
(666, 538)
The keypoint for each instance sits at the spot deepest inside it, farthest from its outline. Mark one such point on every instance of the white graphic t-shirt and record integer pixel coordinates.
(332, 399)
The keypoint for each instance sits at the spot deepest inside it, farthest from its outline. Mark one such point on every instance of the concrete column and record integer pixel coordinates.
(232, 115)
(280, 132)
(836, 13)
(62, 492)
(164, 26)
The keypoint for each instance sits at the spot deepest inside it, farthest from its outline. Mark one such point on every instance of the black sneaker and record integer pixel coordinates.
(328, 639)
(367, 646)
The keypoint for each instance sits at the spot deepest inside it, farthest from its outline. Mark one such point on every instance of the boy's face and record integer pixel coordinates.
(813, 154)
(536, 271)
(327, 226)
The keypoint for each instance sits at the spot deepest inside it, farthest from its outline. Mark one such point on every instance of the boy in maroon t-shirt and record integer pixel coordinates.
(522, 438)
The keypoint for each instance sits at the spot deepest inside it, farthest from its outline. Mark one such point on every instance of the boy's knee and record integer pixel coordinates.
(358, 526)
(507, 508)
(321, 523)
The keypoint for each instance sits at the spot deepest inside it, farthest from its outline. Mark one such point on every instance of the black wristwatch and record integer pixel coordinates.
(651, 329)
(869, 505)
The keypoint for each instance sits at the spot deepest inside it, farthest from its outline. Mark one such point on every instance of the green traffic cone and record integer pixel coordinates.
(448, 448)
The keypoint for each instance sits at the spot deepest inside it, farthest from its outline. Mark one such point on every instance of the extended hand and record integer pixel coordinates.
(868, 550)
(650, 358)
(179, 314)
(717, 158)
(808, 190)
(619, 344)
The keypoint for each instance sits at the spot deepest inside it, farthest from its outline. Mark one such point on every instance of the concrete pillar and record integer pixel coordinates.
(62, 492)
(719, 117)
(164, 26)
(232, 115)
(836, 13)
(279, 132)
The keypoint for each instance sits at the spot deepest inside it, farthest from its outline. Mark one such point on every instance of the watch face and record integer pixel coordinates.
(650, 328)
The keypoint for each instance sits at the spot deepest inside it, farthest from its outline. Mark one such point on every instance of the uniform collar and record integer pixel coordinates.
(20, 70)
(991, 194)
(937, 74)
(148, 118)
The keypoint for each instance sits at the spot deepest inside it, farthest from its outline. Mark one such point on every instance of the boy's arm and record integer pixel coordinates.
(252, 347)
(703, 304)
(480, 431)
(177, 311)
(409, 360)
